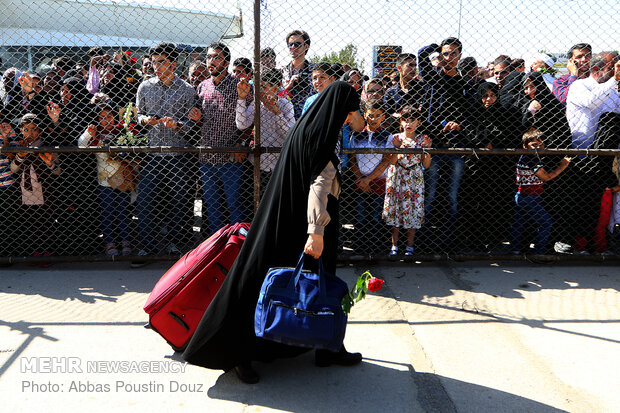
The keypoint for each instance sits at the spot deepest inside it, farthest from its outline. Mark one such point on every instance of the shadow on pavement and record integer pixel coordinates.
(296, 385)
(86, 282)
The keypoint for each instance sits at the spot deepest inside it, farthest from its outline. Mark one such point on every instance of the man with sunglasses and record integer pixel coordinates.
(297, 75)
(447, 111)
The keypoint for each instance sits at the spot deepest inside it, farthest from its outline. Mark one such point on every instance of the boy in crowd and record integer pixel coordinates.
(276, 115)
(369, 171)
(197, 73)
(242, 67)
(531, 175)
(322, 76)
(267, 58)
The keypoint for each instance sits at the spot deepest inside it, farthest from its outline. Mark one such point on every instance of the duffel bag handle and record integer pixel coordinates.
(299, 268)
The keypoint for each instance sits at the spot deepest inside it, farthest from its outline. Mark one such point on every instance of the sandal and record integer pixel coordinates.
(126, 248)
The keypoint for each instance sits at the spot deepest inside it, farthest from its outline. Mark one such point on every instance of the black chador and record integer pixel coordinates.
(225, 337)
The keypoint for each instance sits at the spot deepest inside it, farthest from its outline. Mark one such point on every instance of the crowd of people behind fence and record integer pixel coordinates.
(61, 203)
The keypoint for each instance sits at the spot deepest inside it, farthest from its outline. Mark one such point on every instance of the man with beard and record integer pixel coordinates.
(578, 68)
(222, 173)
(197, 73)
(501, 70)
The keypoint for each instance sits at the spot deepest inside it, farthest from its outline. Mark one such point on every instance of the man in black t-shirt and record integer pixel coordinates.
(448, 114)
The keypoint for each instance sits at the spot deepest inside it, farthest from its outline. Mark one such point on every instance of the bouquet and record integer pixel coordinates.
(365, 283)
(129, 135)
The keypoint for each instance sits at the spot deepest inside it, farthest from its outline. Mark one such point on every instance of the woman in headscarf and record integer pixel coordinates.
(494, 130)
(299, 212)
(355, 78)
(119, 85)
(78, 210)
(75, 111)
(11, 95)
(542, 110)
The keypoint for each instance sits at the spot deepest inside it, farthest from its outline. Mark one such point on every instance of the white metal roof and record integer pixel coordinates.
(79, 23)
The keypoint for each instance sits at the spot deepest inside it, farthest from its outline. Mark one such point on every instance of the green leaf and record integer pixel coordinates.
(346, 304)
(361, 282)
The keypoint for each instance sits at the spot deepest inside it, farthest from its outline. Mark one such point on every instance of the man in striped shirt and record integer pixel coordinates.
(578, 68)
(222, 173)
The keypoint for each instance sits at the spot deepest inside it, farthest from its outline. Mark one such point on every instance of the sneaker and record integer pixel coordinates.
(173, 250)
(126, 248)
(394, 250)
(111, 250)
(562, 248)
(606, 253)
(140, 263)
(409, 251)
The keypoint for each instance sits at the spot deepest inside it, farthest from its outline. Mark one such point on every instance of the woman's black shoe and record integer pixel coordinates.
(325, 358)
(246, 373)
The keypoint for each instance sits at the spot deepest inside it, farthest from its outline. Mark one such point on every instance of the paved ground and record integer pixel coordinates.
(440, 337)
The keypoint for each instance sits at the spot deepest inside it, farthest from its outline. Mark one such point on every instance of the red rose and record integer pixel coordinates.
(374, 284)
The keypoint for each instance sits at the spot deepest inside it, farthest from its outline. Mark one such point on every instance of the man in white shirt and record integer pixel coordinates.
(587, 100)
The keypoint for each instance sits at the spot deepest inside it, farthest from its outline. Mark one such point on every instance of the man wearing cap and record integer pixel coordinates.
(543, 63)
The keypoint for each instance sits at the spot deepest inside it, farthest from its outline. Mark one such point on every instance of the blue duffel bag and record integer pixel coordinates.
(301, 308)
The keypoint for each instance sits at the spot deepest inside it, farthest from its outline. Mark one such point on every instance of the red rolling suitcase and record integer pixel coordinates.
(180, 298)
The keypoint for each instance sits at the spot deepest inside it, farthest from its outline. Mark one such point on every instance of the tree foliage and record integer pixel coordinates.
(348, 56)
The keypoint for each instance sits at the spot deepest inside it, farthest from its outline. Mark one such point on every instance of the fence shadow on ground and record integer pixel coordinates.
(84, 282)
(375, 385)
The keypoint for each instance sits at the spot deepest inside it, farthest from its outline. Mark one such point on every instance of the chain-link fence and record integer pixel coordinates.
(129, 129)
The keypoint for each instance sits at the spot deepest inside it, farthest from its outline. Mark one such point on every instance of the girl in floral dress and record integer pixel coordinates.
(404, 195)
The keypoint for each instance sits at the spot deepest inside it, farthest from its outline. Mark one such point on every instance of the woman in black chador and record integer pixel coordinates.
(292, 207)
